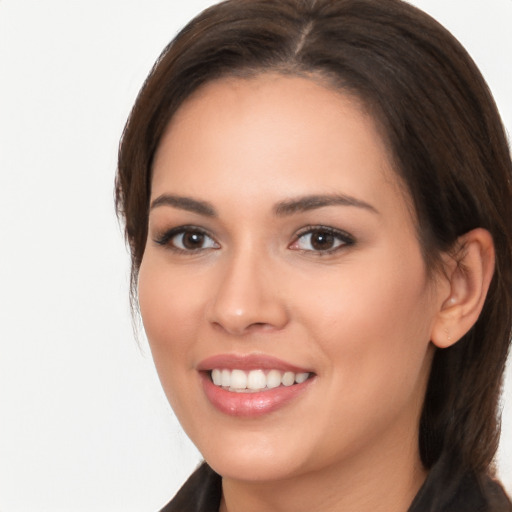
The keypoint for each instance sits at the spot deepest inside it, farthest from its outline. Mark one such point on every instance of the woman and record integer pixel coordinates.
(317, 197)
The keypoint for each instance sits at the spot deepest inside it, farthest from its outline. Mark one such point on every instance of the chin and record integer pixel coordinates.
(252, 470)
(254, 458)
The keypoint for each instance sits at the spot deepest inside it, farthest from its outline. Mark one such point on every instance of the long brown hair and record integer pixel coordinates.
(440, 123)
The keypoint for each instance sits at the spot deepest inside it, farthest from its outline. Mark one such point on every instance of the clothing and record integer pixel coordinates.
(441, 492)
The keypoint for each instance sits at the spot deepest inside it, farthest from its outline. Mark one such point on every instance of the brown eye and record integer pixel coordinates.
(192, 240)
(187, 239)
(322, 240)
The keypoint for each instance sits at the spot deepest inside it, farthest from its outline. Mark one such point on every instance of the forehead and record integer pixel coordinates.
(271, 134)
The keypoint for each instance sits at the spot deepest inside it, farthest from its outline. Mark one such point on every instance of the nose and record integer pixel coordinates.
(247, 297)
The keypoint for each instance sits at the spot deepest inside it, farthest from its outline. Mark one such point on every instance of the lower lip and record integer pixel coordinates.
(251, 405)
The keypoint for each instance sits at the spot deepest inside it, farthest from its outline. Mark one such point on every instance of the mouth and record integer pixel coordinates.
(256, 380)
(252, 385)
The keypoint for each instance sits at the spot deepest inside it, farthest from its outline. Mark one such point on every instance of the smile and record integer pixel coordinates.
(256, 380)
(252, 385)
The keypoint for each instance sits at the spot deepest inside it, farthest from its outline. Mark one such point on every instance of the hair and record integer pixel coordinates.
(443, 130)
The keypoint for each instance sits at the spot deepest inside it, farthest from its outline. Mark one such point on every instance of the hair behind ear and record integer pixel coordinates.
(466, 373)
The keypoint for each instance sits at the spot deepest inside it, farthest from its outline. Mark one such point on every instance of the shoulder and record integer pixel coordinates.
(200, 493)
(446, 490)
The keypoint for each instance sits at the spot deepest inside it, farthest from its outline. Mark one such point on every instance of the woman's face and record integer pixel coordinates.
(282, 258)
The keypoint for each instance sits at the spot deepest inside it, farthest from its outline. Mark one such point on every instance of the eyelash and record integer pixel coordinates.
(343, 238)
(166, 239)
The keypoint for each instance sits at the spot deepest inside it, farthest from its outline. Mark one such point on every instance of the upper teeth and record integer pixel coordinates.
(255, 380)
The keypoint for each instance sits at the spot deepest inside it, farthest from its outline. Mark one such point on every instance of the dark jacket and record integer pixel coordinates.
(441, 492)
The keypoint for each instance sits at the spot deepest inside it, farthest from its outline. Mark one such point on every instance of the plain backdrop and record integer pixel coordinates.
(84, 425)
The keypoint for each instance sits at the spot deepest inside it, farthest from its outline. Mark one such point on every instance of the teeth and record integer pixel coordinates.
(238, 379)
(301, 377)
(288, 379)
(217, 377)
(274, 379)
(255, 380)
(226, 378)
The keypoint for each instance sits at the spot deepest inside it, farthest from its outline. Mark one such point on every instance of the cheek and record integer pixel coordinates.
(374, 329)
(375, 344)
(170, 307)
(167, 302)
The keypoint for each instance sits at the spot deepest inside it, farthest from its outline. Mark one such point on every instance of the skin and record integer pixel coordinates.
(360, 316)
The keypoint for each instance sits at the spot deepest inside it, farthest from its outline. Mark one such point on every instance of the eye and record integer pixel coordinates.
(322, 240)
(187, 239)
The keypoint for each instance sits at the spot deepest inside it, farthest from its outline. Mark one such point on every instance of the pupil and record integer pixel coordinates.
(193, 240)
(322, 240)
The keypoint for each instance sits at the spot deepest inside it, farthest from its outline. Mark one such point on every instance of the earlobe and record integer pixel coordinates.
(469, 274)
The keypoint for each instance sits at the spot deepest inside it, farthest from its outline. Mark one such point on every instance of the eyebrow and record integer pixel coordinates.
(281, 209)
(184, 203)
(312, 202)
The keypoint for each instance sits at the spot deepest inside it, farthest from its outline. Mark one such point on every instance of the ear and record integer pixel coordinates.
(469, 273)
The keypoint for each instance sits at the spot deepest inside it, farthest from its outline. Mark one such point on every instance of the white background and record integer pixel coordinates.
(84, 425)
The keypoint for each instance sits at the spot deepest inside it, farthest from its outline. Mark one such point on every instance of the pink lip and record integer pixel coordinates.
(248, 362)
(249, 405)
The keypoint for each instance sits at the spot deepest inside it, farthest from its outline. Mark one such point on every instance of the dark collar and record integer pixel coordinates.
(444, 490)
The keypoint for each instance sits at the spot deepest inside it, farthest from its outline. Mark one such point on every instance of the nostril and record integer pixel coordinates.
(262, 326)
(259, 324)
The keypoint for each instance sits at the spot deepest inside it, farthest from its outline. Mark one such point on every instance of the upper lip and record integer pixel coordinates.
(248, 362)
